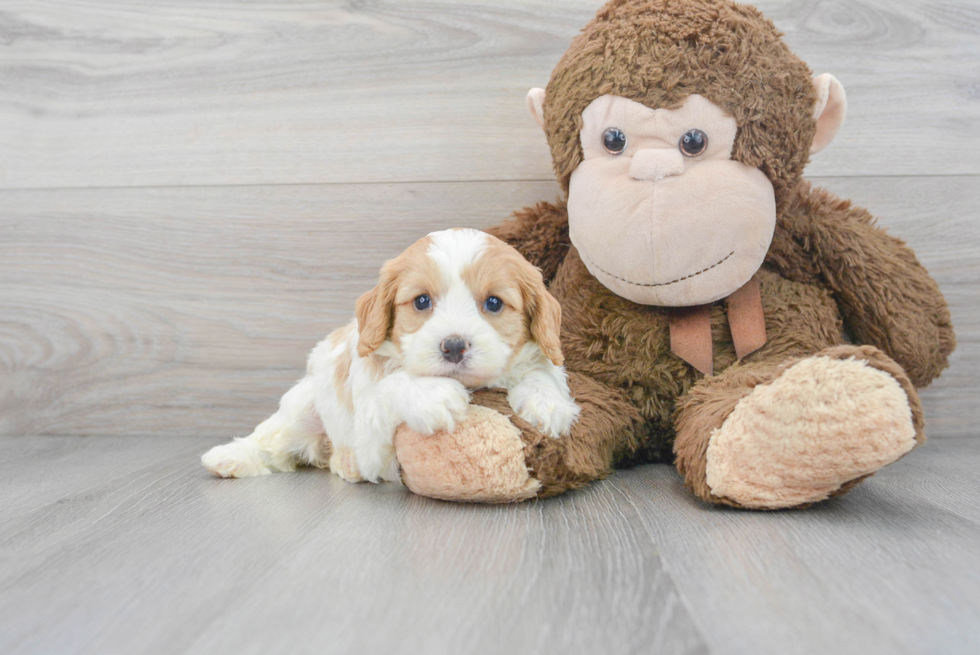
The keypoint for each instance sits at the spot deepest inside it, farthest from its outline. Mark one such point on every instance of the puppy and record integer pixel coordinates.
(458, 310)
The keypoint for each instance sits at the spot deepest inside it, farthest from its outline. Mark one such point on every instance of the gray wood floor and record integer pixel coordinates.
(116, 545)
(193, 192)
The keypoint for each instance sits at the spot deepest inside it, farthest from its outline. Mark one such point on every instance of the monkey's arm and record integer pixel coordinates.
(540, 233)
(887, 297)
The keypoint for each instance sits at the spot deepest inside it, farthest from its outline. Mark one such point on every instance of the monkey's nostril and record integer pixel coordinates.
(453, 349)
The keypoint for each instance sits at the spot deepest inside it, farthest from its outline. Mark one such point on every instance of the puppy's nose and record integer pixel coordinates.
(656, 163)
(453, 349)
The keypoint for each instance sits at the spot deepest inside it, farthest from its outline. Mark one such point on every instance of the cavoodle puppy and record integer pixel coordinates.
(458, 310)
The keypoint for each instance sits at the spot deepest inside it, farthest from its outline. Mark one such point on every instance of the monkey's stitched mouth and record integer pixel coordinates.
(663, 284)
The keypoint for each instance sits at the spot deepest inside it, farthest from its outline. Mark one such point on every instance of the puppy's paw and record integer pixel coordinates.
(392, 470)
(442, 403)
(545, 408)
(233, 460)
(344, 463)
(376, 463)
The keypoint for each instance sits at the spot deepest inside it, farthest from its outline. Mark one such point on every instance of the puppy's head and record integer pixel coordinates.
(461, 304)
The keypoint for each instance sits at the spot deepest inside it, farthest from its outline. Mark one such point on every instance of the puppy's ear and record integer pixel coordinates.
(375, 312)
(544, 315)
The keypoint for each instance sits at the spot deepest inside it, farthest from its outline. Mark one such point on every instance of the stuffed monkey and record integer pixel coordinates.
(718, 311)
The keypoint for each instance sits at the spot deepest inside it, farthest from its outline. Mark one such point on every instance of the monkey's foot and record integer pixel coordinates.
(822, 425)
(481, 461)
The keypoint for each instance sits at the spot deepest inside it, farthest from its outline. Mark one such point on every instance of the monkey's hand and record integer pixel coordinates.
(887, 297)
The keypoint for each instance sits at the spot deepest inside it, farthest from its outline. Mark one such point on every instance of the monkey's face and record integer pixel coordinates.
(659, 211)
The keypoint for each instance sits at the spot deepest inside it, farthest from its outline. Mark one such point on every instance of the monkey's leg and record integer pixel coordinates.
(770, 436)
(496, 457)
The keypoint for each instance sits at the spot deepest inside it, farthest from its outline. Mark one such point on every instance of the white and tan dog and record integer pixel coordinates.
(458, 310)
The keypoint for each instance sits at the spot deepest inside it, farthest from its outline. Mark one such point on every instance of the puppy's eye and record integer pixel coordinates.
(614, 141)
(423, 302)
(693, 143)
(493, 304)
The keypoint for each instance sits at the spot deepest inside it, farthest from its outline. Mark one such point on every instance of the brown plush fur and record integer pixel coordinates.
(607, 425)
(829, 271)
(703, 410)
(627, 346)
(658, 52)
(542, 234)
(886, 297)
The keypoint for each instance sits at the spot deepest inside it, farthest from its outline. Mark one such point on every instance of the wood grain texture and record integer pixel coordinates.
(127, 545)
(204, 189)
(190, 311)
(891, 567)
(164, 559)
(191, 92)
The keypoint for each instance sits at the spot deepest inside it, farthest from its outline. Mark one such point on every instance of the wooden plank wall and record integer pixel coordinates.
(192, 193)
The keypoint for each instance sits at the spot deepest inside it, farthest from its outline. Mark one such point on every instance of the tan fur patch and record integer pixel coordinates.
(344, 463)
(341, 377)
(530, 312)
(340, 335)
(498, 272)
(378, 309)
(375, 366)
(420, 275)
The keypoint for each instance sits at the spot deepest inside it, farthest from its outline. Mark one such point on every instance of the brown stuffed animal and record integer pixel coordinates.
(706, 288)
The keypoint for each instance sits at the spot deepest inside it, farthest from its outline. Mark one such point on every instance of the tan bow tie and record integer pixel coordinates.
(690, 328)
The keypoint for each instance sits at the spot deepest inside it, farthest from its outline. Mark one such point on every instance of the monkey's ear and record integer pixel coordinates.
(829, 110)
(535, 105)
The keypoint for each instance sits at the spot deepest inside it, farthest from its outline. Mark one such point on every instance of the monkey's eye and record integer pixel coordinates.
(423, 302)
(493, 304)
(693, 143)
(614, 141)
